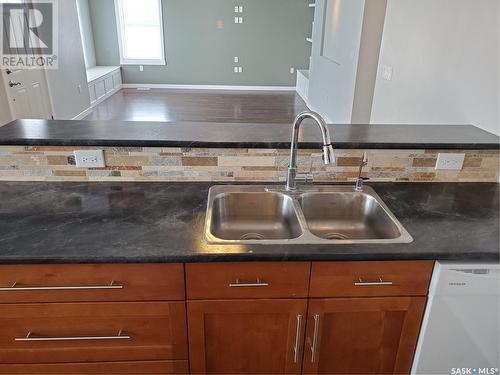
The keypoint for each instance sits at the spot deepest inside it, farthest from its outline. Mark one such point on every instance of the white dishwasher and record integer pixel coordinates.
(460, 331)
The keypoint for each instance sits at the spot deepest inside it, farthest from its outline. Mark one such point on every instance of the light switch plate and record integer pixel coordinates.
(450, 162)
(89, 158)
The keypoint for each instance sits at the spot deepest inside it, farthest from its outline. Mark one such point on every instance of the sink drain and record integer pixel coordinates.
(252, 236)
(335, 236)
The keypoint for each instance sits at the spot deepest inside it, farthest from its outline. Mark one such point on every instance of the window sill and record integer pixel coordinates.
(143, 62)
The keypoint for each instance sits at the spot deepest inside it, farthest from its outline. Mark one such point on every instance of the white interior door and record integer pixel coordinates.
(27, 89)
(28, 93)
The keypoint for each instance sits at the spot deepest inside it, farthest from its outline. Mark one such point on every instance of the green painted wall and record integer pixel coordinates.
(270, 41)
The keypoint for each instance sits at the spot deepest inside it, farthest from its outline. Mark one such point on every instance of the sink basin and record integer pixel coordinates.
(254, 216)
(318, 215)
(347, 216)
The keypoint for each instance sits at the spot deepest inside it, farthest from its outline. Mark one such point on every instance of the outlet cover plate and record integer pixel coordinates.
(89, 159)
(450, 162)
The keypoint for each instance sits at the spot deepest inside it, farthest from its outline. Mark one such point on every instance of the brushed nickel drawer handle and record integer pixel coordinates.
(296, 349)
(19, 288)
(314, 346)
(361, 282)
(30, 337)
(257, 284)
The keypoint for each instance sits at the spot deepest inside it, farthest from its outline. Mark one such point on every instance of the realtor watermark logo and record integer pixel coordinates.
(474, 371)
(29, 35)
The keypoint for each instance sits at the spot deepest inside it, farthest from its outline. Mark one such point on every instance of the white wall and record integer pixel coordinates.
(5, 115)
(445, 55)
(332, 83)
(86, 30)
(369, 51)
(68, 101)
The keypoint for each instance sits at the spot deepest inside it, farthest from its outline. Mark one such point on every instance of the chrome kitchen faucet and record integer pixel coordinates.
(328, 153)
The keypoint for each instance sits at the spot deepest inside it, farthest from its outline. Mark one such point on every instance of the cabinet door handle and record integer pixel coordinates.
(362, 282)
(257, 284)
(30, 337)
(314, 346)
(19, 288)
(296, 349)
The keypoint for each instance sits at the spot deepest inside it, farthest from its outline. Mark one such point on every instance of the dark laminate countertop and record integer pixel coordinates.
(205, 134)
(162, 222)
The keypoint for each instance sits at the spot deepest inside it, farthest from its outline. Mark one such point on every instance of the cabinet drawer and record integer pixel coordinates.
(247, 280)
(92, 332)
(370, 279)
(135, 367)
(92, 282)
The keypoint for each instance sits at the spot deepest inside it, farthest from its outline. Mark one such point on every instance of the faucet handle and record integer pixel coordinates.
(364, 159)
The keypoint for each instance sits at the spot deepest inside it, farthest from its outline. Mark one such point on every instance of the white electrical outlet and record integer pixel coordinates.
(240, 69)
(387, 72)
(236, 59)
(89, 159)
(292, 70)
(451, 162)
(141, 68)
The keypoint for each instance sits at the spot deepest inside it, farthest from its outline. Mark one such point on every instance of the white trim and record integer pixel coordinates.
(150, 62)
(206, 87)
(83, 114)
(103, 72)
(94, 104)
(119, 27)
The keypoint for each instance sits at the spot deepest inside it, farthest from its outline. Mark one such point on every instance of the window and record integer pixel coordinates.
(140, 32)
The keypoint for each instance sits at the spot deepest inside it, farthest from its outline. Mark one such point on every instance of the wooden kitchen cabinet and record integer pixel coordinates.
(108, 368)
(238, 318)
(91, 282)
(92, 332)
(246, 336)
(247, 280)
(362, 335)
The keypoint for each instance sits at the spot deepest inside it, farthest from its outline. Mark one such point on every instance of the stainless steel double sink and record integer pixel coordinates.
(316, 215)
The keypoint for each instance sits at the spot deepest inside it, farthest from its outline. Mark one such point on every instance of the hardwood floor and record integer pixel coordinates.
(200, 105)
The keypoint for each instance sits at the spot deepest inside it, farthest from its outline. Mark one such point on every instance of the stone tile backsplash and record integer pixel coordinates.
(57, 163)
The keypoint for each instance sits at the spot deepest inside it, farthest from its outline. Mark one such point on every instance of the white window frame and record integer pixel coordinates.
(120, 30)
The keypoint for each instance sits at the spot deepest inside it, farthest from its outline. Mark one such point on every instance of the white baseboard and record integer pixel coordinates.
(98, 101)
(206, 87)
(83, 114)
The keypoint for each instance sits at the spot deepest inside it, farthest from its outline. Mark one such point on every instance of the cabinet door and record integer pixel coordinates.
(362, 335)
(246, 336)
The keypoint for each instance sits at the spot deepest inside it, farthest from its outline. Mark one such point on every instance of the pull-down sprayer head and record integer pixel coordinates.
(328, 152)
